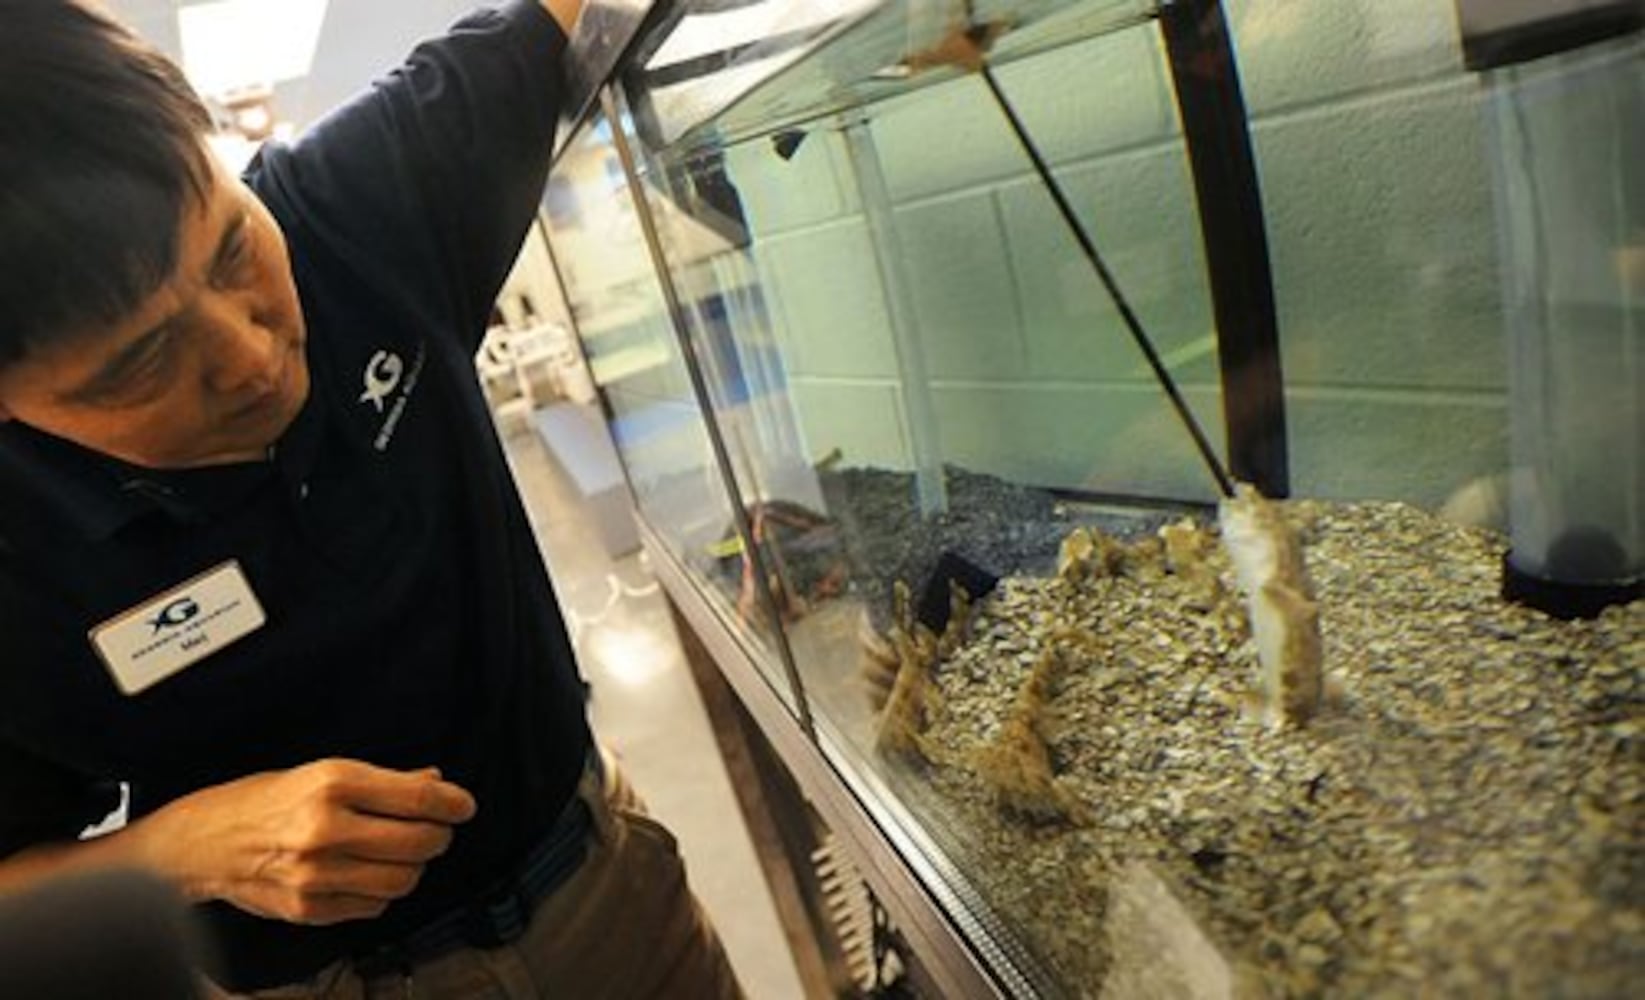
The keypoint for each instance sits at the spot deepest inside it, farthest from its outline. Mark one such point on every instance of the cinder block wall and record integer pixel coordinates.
(1376, 183)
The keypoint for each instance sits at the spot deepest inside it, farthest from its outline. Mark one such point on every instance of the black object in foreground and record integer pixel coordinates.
(951, 568)
(93, 937)
(1150, 353)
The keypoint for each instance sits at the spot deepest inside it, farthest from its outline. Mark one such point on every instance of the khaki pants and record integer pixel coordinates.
(625, 926)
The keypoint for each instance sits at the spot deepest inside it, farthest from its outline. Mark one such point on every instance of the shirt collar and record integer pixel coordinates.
(45, 476)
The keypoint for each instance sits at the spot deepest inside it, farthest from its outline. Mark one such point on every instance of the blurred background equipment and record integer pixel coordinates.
(93, 937)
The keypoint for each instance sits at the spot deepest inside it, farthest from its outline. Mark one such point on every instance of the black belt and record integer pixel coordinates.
(501, 915)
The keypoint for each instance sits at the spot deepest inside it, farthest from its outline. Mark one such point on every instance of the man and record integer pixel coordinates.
(260, 555)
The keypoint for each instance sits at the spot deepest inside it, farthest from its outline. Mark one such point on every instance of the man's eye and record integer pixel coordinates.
(141, 382)
(149, 367)
(234, 264)
(237, 263)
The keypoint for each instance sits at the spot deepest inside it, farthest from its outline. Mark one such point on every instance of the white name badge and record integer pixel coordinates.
(179, 628)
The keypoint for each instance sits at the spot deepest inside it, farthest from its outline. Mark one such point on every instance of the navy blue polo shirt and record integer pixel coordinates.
(410, 621)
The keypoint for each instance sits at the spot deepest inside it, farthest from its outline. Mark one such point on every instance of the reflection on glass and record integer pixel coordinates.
(635, 360)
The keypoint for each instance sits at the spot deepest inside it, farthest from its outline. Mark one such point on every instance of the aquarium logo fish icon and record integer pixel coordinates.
(178, 612)
(382, 375)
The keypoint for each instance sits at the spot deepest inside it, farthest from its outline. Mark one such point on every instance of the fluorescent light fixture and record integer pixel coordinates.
(232, 44)
(701, 34)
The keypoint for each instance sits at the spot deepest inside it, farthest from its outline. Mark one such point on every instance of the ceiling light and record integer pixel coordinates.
(233, 44)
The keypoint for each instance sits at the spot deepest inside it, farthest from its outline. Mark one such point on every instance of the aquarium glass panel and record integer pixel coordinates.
(635, 360)
(719, 73)
(922, 380)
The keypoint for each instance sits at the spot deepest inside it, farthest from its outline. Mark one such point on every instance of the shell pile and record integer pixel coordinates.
(1464, 815)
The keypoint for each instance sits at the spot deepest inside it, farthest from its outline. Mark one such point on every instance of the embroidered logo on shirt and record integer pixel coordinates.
(389, 385)
(382, 375)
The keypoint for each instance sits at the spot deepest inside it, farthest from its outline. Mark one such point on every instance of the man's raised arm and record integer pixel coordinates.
(565, 12)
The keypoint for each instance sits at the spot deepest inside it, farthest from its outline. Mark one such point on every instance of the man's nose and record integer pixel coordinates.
(245, 356)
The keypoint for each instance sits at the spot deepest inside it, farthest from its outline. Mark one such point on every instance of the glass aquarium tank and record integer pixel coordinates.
(1117, 397)
(636, 362)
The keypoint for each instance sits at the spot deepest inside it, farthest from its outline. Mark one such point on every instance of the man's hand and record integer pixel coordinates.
(564, 11)
(323, 843)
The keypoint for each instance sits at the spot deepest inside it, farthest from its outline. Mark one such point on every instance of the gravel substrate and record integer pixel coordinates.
(999, 526)
(1466, 817)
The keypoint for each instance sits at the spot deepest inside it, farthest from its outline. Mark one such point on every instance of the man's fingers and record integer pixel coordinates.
(335, 908)
(325, 842)
(396, 841)
(352, 877)
(413, 795)
(325, 888)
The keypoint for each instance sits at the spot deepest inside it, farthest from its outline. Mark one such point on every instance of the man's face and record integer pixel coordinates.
(208, 370)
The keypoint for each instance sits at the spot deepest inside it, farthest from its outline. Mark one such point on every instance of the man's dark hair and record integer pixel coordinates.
(100, 151)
